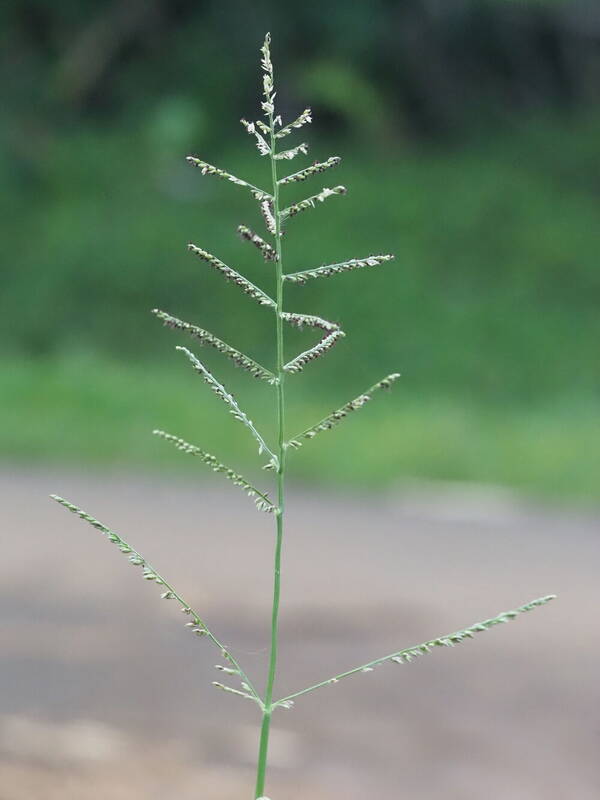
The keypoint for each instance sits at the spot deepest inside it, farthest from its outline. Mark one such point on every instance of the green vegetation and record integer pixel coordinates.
(93, 410)
(489, 311)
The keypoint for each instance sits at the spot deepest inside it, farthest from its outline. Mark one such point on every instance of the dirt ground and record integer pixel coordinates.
(106, 696)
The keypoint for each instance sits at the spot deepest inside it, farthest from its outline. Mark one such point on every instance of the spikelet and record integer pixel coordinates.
(333, 269)
(292, 152)
(226, 670)
(209, 169)
(269, 253)
(342, 413)
(304, 118)
(232, 691)
(261, 500)
(310, 202)
(314, 169)
(410, 653)
(232, 275)
(229, 400)
(300, 320)
(207, 338)
(297, 364)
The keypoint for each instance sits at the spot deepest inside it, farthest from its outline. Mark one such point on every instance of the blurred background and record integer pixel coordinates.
(469, 134)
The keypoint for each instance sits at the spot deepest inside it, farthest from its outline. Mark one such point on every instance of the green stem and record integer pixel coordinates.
(268, 701)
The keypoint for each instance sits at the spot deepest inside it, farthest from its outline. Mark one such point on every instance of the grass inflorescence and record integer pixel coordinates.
(277, 217)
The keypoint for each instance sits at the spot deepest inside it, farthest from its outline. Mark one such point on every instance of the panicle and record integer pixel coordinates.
(207, 338)
(232, 275)
(314, 169)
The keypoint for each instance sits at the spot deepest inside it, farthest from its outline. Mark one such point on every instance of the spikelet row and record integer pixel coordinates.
(300, 320)
(308, 172)
(333, 269)
(207, 338)
(234, 409)
(327, 342)
(232, 275)
(266, 209)
(411, 653)
(452, 639)
(138, 560)
(342, 413)
(304, 118)
(269, 253)
(195, 623)
(287, 155)
(311, 202)
(209, 169)
(261, 499)
(268, 105)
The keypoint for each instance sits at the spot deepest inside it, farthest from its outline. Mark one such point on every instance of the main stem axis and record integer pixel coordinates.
(280, 372)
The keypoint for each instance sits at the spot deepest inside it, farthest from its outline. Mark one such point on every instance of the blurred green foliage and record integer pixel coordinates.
(469, 135)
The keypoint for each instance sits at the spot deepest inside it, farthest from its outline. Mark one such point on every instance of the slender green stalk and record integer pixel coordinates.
(263, 751)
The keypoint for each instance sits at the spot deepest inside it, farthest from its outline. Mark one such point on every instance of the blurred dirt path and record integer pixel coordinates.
(106, 695)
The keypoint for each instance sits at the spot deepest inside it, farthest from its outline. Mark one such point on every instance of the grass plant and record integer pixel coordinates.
(278, 217)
